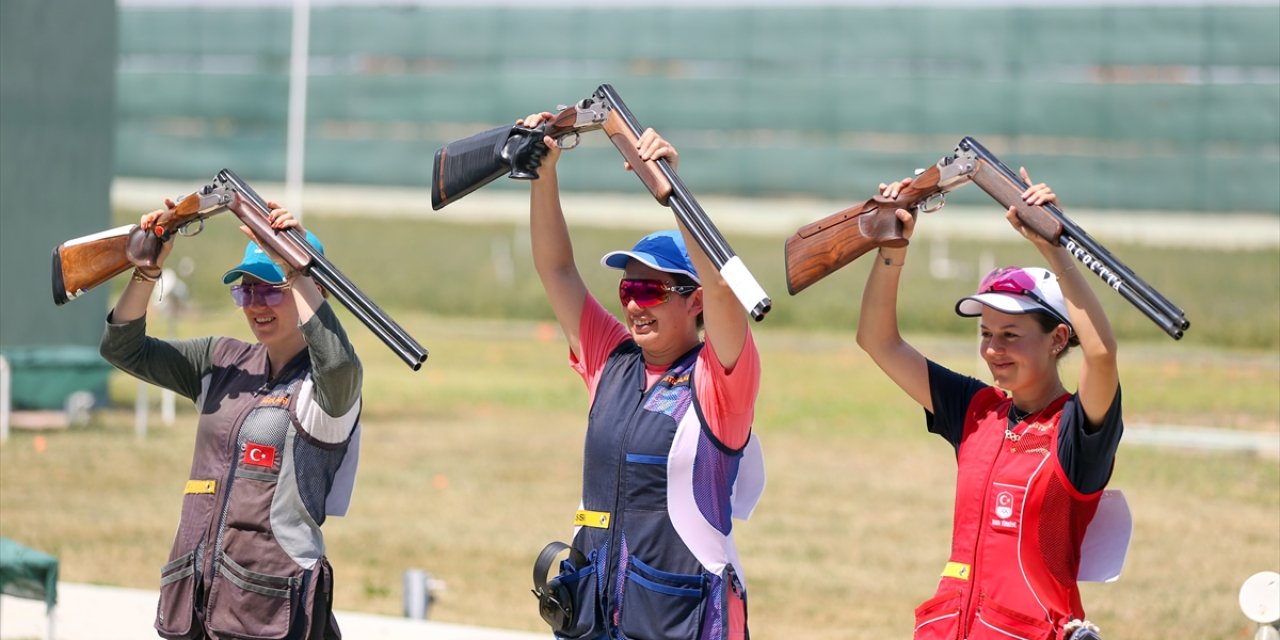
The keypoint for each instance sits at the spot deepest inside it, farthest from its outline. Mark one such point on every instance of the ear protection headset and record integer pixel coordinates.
(555, 601)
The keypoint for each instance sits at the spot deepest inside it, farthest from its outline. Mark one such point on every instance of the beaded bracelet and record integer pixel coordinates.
(288, 280)
(142, 276)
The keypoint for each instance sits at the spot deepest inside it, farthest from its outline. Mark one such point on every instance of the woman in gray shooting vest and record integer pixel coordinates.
(669, 456)
(275, 451)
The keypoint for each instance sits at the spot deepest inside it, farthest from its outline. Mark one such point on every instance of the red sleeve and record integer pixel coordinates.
(600, 333)
(728, 398)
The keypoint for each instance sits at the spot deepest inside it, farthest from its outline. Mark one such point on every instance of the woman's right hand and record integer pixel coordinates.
(148, 221)
(891, 190)
(553, 150)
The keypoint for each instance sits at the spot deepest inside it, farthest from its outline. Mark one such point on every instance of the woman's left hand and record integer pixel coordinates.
(1036, 195)
(280, 219)
(652, 146)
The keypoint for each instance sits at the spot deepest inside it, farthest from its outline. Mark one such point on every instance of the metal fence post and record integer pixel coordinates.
(4, 398)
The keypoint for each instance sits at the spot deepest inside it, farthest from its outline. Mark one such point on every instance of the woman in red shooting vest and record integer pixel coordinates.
(1032, 458)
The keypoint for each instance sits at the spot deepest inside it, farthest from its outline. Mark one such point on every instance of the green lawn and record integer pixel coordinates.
(472, 464)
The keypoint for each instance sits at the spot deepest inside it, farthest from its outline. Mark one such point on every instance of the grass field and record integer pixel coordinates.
(472, 464)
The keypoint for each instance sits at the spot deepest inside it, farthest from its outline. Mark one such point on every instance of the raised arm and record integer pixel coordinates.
(336, 368)
(878, 333)
(136, 297)
(552, 250)
(724, 322)
(173, 364)
(1099, 375)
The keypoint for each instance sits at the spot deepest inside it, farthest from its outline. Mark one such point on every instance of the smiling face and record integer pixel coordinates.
(667, 330)
(274, 324)
(1018, 351)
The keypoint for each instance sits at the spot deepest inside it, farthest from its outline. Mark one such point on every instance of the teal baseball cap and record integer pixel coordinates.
(661, 250)
(258, 264)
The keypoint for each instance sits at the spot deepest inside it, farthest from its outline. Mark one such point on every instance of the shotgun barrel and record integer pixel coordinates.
(1089, 252)
(328, 276)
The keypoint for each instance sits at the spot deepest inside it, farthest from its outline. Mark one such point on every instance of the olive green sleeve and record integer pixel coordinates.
(335, 368)
(177, 365)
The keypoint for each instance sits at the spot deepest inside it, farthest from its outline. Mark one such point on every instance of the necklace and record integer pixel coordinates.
(1015, 417)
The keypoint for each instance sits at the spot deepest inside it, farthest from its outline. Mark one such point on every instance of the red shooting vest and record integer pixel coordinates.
(1018, 527)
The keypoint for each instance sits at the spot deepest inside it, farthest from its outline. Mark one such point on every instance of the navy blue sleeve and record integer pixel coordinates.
(951, 393)
(1087, 458)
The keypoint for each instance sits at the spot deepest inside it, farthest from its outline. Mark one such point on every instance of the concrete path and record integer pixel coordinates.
(1262, 444)
(89, 612)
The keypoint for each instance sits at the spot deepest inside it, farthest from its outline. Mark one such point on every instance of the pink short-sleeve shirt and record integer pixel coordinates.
(727, 397)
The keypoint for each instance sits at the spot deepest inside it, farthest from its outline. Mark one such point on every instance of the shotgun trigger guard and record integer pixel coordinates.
(568, 140)
(183, 230)
(933, 203)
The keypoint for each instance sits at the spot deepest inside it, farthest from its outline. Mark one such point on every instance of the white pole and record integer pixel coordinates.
(167, 395)
(140, 410)
(167, 407)
(4, 399)
(986, 262)
(297, 136)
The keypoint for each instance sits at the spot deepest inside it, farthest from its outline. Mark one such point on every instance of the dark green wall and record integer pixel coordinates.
(1120, 107)
(57, 117)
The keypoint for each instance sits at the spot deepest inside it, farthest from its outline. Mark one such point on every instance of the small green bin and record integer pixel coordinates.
(44, 376)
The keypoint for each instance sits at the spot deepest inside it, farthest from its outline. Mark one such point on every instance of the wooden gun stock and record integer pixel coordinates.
(818, 249)
(84, 263)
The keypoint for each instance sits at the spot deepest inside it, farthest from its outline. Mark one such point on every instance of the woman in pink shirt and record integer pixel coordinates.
(669, 456)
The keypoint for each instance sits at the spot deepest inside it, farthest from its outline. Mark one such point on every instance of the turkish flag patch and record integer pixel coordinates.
(259, 454)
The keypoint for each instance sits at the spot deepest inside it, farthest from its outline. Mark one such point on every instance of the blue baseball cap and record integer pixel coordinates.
(258, 264)
(661, 250)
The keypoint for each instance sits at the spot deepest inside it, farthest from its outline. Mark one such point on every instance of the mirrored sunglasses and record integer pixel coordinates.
(649, 293)
(268, 294)
(1008, 280)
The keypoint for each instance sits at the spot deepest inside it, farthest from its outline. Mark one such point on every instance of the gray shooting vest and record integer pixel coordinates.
(248, 558)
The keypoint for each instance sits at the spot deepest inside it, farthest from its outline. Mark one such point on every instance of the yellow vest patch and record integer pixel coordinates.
(593, 519)
(958, 570)
(200, 486)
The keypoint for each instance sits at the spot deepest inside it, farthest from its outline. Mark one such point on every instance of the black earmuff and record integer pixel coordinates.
(555, 601)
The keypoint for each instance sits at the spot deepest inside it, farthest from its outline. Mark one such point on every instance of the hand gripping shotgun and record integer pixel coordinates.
(820, 248)
(468, 164)
(83, 263)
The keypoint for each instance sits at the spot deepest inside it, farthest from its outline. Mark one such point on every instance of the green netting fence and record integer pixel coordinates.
(1120, 107)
